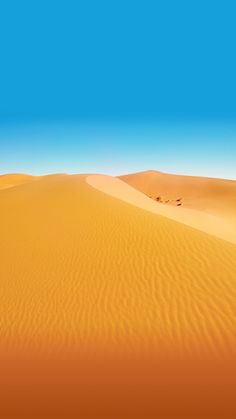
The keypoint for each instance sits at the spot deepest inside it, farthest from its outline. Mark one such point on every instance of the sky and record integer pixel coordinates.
(118, 86)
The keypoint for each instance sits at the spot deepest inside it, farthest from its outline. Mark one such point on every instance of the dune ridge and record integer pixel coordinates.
(210, 195)
(209, 223)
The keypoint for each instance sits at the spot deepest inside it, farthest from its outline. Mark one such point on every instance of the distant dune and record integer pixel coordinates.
(214, 196)
(10, 180)
(88, 263)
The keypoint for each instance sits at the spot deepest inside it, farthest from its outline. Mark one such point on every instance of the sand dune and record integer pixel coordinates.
(87, 265)
(13, 179)
(209, 223)
(121, 274)
(214, 196)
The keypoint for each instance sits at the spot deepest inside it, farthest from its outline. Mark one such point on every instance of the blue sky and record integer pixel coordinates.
(118, 86)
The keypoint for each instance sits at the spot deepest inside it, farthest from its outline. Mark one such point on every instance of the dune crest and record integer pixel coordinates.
(208, 223)
(210, 195)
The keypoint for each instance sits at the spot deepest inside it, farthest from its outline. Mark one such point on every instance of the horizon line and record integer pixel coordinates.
(117, 175)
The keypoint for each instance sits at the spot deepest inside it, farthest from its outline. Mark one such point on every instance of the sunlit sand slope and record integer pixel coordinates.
(215, 196)
(80, 267)
(212, 224)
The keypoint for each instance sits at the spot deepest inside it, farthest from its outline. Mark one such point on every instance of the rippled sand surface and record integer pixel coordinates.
(83, 270)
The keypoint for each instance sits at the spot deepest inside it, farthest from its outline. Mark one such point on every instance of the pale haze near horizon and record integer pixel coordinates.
(189, 148)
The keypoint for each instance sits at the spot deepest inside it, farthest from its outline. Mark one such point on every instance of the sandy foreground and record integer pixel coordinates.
(113, 304)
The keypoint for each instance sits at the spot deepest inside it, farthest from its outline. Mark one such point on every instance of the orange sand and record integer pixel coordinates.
(83, 270)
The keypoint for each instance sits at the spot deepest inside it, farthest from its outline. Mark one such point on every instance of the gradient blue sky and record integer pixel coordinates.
(118, 86)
